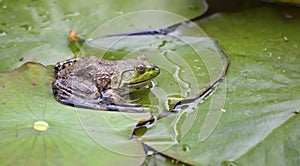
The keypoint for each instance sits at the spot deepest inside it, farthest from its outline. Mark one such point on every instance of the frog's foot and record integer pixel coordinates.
(113, 101)
(133, 101)
(111, 97)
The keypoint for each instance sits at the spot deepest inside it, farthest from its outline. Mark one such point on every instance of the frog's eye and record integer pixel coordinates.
(140, 69)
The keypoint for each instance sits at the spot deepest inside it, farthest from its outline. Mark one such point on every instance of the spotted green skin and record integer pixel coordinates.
(102, 84)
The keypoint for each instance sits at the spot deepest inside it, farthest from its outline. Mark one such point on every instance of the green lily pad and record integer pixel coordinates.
(36, 129)
(259, 122)
(38, 30)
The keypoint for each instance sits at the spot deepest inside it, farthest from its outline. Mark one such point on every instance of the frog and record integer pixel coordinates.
(100, 84)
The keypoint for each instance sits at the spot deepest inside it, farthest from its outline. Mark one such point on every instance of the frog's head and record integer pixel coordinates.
(137, 73)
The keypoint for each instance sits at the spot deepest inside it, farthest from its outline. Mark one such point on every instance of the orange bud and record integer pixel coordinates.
(72, 35)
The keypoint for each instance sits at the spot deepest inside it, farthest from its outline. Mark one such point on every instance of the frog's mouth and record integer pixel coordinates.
(135, 81)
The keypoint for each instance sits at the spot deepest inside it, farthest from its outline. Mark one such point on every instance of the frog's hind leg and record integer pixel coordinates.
(112, 98)
(95, 106)
(70, 99)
